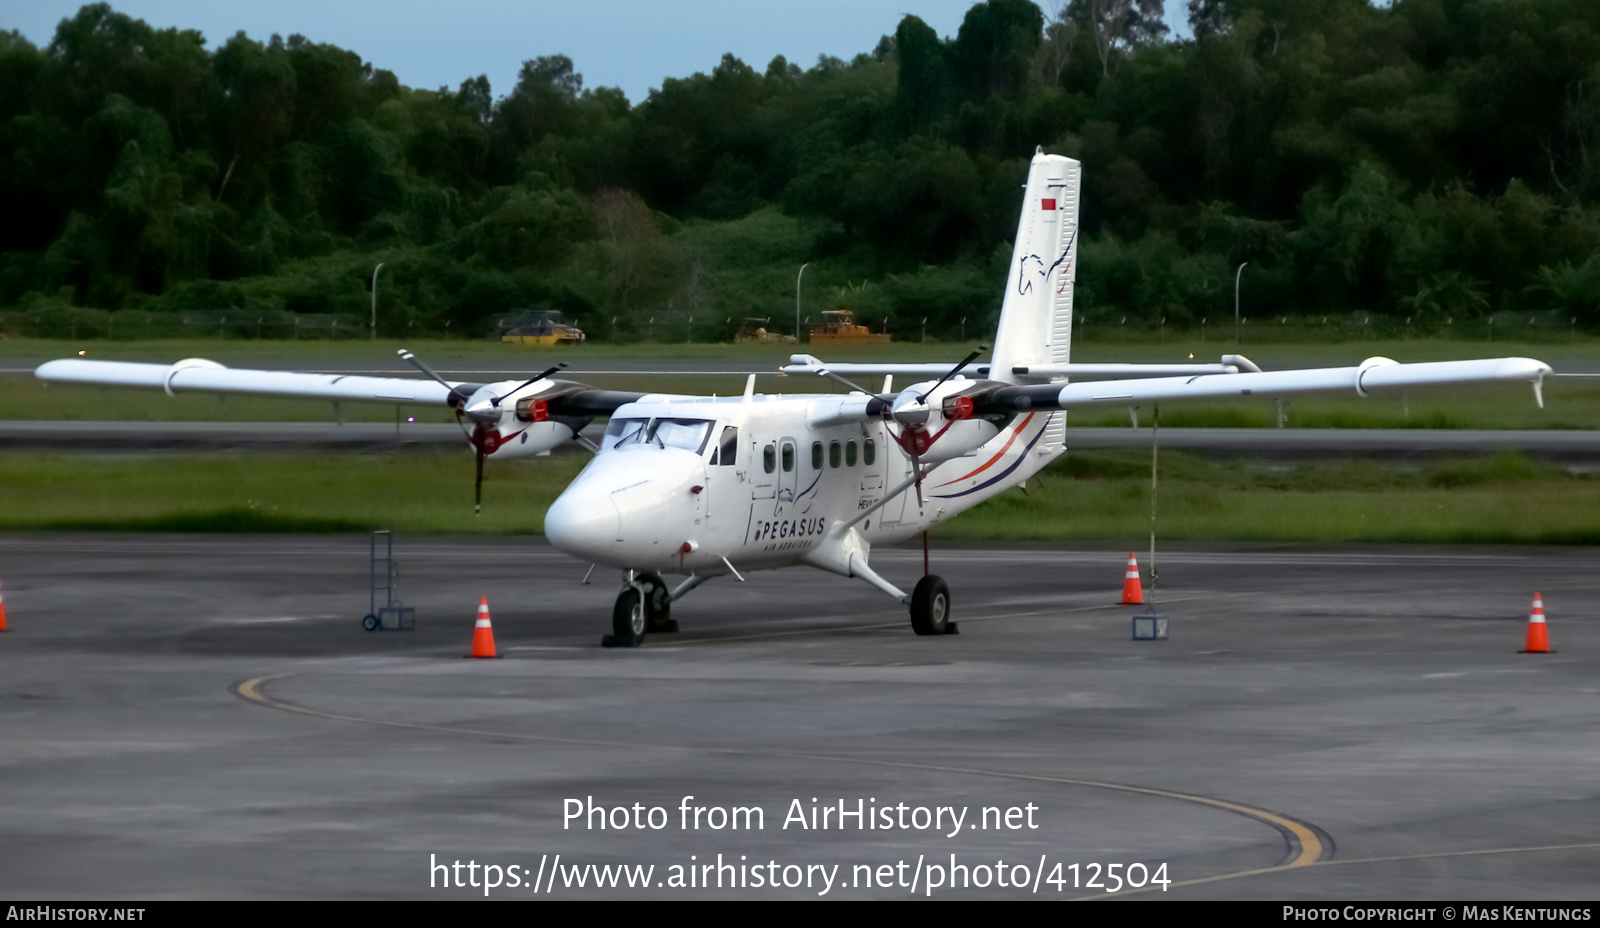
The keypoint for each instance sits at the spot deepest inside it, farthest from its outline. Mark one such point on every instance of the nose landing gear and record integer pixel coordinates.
(644, 604)
(657, 604)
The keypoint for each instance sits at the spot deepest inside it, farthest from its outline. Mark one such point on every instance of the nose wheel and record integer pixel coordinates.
(930, 607)
(627, 621)
(643, 606)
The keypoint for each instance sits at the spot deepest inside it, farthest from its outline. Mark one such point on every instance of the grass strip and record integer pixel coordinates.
(1503, 498)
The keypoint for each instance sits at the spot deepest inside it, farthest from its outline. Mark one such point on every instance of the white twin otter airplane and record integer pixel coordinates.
(704, 487)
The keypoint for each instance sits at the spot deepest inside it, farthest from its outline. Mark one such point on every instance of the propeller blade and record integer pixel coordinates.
(416, 362)
(477, 489)
(954, 371)
(496, 401)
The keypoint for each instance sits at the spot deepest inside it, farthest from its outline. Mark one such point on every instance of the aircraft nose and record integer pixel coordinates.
(583, 523)
(628, 509)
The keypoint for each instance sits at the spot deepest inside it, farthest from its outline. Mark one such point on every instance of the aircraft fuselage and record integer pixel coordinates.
(764, 481)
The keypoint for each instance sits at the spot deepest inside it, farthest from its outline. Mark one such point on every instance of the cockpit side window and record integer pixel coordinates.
(727, 454)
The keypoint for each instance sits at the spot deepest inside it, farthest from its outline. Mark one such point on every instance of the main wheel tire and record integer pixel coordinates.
(628, 619)
(930, 606)
(370, 623)
(657, 604)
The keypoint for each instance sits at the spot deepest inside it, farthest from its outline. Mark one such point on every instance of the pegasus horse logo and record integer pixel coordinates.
(1024, 279)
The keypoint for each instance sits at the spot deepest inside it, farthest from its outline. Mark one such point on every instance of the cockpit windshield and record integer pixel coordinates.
(687, 434)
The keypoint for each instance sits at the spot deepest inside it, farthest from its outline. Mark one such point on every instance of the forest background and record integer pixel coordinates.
(1431, 161)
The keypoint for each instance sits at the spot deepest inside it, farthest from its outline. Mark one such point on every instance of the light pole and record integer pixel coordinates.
(1236, 275)
(797, 300)
(375, 300)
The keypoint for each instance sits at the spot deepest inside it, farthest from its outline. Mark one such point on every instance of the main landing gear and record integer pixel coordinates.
(930, 607)
(929, 600)
(644, 605)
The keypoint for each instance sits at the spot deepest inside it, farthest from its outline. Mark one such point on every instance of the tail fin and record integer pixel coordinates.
(1036, 317)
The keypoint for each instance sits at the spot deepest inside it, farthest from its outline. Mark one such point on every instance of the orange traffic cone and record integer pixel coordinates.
(3, 611)
(483, 633)
(1538, 638)
(1132, 592)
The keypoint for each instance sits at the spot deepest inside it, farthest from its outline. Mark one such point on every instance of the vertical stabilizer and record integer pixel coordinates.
(1036, 317)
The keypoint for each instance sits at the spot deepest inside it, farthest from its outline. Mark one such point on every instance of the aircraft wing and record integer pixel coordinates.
(562, 398)
(1229, 364)
(196, 374)
(1372, 376)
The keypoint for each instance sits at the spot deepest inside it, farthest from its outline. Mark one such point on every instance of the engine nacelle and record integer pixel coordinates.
(520, 424)
(937, 424)
(520, 439)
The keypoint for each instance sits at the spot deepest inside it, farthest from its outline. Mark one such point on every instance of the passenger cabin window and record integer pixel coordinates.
(788, 457)
(725, 450)
(869, 452)
(816, 455)
(769, 458)
(850, 453)
(833, 454)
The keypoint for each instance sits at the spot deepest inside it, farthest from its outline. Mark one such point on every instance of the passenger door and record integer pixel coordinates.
(788, 477)
(722, 473)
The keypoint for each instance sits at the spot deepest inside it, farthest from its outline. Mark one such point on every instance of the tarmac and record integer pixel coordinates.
(203, 717)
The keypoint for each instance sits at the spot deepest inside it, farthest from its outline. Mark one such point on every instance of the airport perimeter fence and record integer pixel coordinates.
(1353, 327)
(678, 327)
(134, 324)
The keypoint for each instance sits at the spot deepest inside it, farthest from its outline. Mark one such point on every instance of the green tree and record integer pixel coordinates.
(1116, 28)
